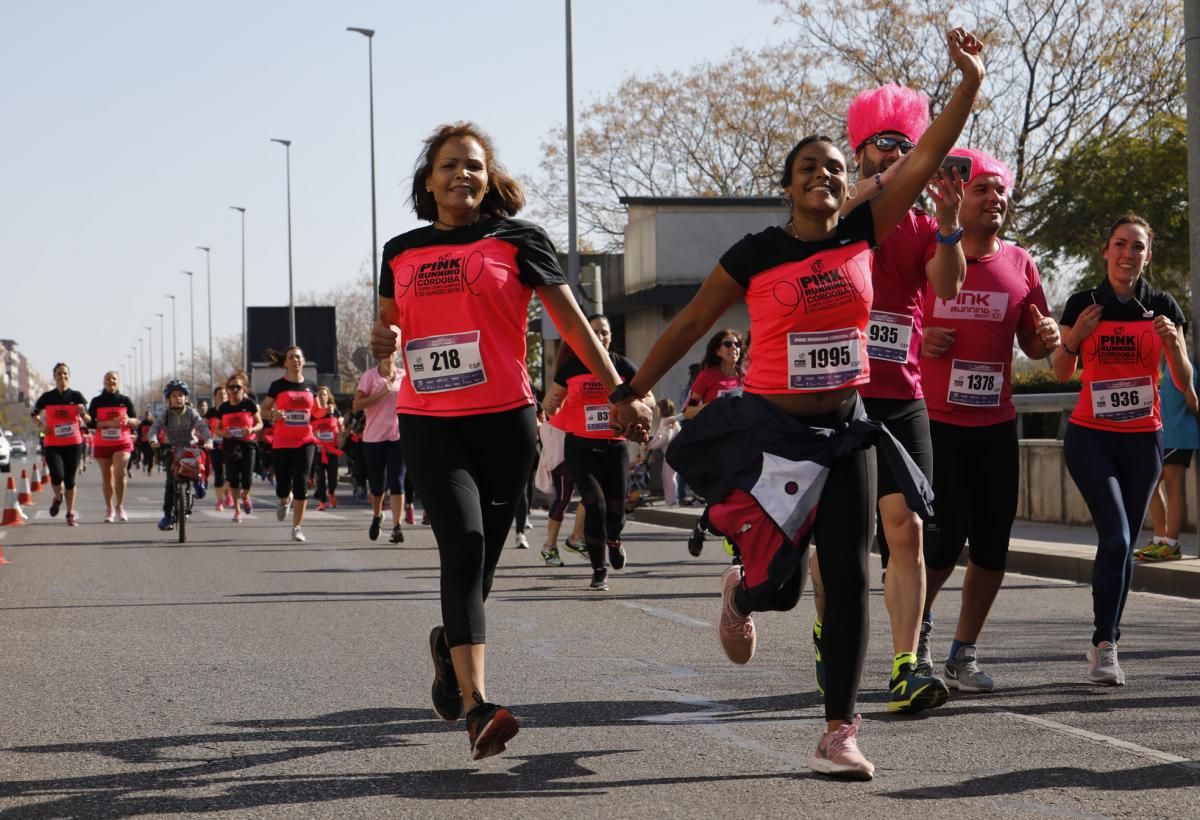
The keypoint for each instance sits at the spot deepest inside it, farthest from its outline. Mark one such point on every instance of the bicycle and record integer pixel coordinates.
(187, 466)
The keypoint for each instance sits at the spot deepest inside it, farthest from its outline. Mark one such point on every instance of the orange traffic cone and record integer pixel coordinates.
(36, 484)
(3, 560)
(45, 472)
(13, 517)
(24, 494)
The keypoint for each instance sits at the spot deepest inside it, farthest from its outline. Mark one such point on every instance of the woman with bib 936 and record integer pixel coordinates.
(1118, 332)
(115, 417)
(793, 459)
(289, 402)
(456, 293)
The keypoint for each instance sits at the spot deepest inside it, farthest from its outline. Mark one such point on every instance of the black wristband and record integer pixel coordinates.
(624, 392)
(1068, 350)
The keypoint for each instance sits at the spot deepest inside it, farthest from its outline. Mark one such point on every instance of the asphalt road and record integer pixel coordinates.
(245, 674)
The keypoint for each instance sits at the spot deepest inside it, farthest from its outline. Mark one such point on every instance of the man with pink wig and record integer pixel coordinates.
(921, 254)
(966, 367)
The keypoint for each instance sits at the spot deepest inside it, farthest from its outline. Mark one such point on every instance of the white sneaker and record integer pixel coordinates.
(1103, 667)
(522, 541)
(297, 534)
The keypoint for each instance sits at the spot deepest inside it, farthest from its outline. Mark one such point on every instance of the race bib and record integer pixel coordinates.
(1123, 399)
(888, 336)
(976, 384)
(111, 434)
(596, 418)
(438, 364)
(295, 418)
(64, 430)
(821, 361)
(325, 435)
(235, 432)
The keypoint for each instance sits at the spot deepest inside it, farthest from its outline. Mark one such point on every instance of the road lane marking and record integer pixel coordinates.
(1095, 737)
(667, 615)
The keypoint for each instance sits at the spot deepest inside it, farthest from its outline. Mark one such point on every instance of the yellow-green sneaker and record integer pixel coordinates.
(1140, 552)
(1162, 552)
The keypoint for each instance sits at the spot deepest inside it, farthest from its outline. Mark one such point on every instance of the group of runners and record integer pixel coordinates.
(879, 382)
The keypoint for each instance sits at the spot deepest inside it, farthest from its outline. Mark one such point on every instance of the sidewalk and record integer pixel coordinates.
(1047, 550)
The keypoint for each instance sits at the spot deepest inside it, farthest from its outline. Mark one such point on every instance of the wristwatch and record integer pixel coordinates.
(952, 239)
(624, 392)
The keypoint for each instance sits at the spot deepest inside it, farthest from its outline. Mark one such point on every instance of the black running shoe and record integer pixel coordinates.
(447, 698)
(913, 692)
(397, 535)
(696, 542)
(373, 530)
(600, 579)
(616, 554)
(490, 727)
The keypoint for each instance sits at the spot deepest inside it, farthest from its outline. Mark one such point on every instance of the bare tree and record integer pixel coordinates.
(719, 129)
(1059, 71)
(355, 316)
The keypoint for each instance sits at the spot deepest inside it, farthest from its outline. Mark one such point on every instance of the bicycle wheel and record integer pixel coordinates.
(181, 506)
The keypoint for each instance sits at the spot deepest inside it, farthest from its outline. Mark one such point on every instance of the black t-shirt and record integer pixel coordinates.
(282, 385)
(54, 398)
(537, 261)
(1145, 298)
(574, 366)
(106, 399)
(774, 246)
(243, 406)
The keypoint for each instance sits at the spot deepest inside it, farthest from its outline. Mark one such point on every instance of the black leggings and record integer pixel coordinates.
(842, 530)
(1115, 473)
(327, 475)
(217, 459)
(975, 473)
(292, 466)
(385, 459)
(599, 468)
(239, 461)
(64, 464)
(470, 470)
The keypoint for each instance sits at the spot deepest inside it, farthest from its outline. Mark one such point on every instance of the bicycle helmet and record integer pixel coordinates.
(173, 385)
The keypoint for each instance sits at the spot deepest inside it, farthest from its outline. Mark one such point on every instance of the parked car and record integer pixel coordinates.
(5, 455)
(19, 448)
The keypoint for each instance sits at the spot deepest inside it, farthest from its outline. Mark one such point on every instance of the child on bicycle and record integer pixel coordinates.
(182, 426)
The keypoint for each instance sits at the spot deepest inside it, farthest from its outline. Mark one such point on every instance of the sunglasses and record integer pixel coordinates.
(234, 387)
(891, 144)
(731, 343)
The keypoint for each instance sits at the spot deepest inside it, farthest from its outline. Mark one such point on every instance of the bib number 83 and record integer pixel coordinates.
(823, 357)
(445, 360)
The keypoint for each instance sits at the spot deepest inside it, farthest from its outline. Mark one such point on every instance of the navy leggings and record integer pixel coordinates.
(1115, 473)
(470, 469)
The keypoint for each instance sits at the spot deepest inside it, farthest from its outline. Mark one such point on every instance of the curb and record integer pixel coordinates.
(1047, 558)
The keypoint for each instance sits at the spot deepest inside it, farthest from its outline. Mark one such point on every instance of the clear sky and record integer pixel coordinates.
(130, 128)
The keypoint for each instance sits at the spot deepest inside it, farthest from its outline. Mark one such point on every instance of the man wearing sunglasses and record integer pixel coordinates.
(922, 252)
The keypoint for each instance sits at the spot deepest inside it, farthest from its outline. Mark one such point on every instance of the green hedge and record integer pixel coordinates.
(1044, 381)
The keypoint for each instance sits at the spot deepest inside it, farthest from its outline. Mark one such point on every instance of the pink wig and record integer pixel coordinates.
(890, 107)
(983, 163)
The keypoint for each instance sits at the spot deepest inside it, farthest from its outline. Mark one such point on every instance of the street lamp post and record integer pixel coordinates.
(370, 35)
(245, 341)
(162, 348)
(149, 357)
(208, 287)
(174, 351)
(133, 354)
(287, 146)
(192, 320)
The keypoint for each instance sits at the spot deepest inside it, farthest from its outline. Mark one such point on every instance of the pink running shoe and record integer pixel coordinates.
(229, 499)
(247, 505)
(237, 515)
(121, 514)
(410, 515)
(735, 629)
(72, 520)
(220, 505)
(109, 516)
(838, 754)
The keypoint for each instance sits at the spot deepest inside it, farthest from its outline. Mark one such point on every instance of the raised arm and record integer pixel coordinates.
(925, 159)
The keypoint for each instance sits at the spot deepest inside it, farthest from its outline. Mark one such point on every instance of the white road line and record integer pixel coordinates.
(1125, 745)
(667, 615)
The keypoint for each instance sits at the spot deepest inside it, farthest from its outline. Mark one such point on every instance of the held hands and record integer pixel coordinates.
(385, 340)
(1047, 329)
(965, 49)
(632, 419)
(936, 341)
